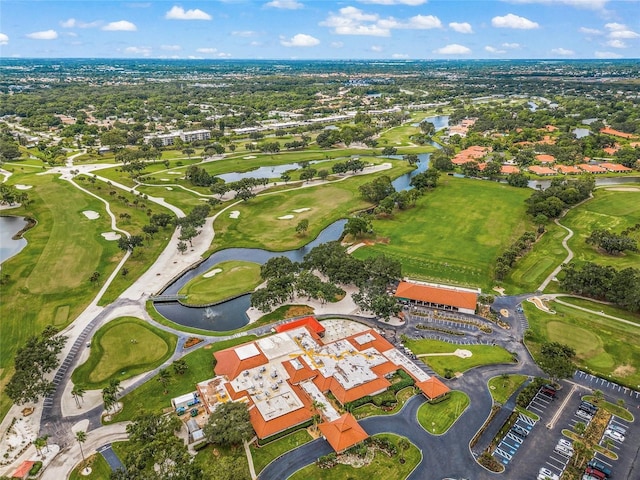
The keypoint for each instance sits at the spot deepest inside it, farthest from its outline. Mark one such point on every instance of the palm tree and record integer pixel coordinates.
(39, 443)
(607, 443)
(81, 437)
(403, 445)
(597, 396)
(580, 428)
(180, 366)
(163, 377)
(77, 392)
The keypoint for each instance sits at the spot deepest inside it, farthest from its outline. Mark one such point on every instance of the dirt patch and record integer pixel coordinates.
(623, 189)
(624, 371)
(298, 311)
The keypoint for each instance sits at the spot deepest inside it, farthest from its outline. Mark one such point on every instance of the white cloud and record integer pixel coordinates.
(587, 4)
(513, 21)
(4, 39)
(70, 23)
(463, 27)
(590, 31)
(224, 55)
(615, 26)
(144, 51)
(353, 21)
(337, 44)
(491, 49)
(120, 26)
(179, 13)
(300, 40)
(171, 48)
(562, 51)
(44, 35)
(400, 56)
(453, 49)
(623, 34)
(207, 50)
(376, 48)
(607, 55)
(616, 44)
(285, 4)
(244, 33)
(511, 45)
(411, 3)
(255, 44)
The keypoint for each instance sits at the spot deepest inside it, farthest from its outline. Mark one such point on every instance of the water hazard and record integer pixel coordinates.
(9, 247)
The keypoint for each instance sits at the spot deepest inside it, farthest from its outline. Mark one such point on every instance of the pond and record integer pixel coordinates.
(439, 121)
(403, 182)
(263, 172)
(581, 132)
(543, 184)
(9, 246)
(231, 314)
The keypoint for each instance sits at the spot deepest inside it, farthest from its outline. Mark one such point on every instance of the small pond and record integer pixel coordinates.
(9, 247)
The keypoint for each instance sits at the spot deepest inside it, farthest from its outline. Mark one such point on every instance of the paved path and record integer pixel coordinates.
(593, 312)
(111, 457)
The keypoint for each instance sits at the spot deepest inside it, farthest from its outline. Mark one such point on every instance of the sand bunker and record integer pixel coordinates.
(164, 179)
(285, 217)
(300, 210)
(212, 273)
(111, 235)
(174, 173)
(614, 189)
(234, 214)
(249, 157)
(169, 188)
(504, 312)
(91, 215)
(19, 186)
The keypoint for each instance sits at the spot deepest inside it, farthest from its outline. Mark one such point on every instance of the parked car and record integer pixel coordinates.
(584, 415)
(566, 443)
(546, 474)
(518, 430)
(598, 465)
(615, 435)
(617, 428)
(548, 392)
(589, 477)
(588, 407)
(562, 450)
(595, 473)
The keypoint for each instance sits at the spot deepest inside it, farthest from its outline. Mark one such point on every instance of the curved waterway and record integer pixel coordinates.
(231, 314)
(9, 246)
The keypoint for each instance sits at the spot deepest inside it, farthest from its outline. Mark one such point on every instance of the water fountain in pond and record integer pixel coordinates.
(209, 313)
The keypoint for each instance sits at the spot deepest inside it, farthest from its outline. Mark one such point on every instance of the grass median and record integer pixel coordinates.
(437, 418)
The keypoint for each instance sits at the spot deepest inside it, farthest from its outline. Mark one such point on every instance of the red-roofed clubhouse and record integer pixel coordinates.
(438, 296)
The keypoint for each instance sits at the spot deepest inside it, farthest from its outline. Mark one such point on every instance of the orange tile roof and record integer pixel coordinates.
(432, 388)
(23, 470)
(369, 388)
(615, 133)
(266, 428)
(438, 295)
(379, 342)
(343, 432)
(591, 168)
(509, 169)
(297, 375)
(615, 167)
(543, 158)
(541, 170)
(547, 140)
(228, 363)
(567, 169)
(610, 150)
(551, 128)
(634, 144)
(310, 322)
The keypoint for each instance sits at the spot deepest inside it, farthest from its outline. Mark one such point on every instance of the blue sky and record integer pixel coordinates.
(321, 29)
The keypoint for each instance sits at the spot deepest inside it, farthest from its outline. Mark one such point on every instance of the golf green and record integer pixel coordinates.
(222, 281)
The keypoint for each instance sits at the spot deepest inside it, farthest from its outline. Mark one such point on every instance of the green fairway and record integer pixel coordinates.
(263, 456)
(382, 466)
(481, 355)
(437, 418)
(455, 232)
(596, 340)
(258, 224)
(49, 280)
(150, 396)
(503, 386)
(122, 349)
(609, 210)
(601, 307)
(222, 281)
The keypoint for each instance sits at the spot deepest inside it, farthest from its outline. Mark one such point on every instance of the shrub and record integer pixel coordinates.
(35, 469)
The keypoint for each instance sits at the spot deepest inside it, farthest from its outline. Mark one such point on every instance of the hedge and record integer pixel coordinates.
(383, 399)
(284, 433)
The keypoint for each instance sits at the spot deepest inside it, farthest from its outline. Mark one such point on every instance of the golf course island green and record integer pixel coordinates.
(224, 280)
(122, 349)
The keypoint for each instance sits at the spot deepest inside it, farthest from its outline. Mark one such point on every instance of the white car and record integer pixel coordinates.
(617, 428)
(584, 415)
(564, 451)
(546, 474)
(615, 435)
(565, 443)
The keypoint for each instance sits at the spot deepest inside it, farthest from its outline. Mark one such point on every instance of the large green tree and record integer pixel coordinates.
(229, 424)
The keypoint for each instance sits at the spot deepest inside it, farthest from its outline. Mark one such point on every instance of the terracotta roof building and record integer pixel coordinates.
(342, 433)
(544, 171)
(591, 168)
(615, 167)
(438, 296)
(567, 169)
(433, 388)
(23, 470)
(309, 322)
(543, 158)
(615, 133)
(508, 169)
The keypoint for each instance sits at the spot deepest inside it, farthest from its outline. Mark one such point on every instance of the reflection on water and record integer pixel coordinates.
(9, 247)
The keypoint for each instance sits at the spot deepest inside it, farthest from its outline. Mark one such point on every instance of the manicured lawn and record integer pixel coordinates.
(455, 232)
(49, 279)
(382, 466)
(481, 355)
(599, 307)
(150, 396)
(264, 455)
(213, 458)
(609, 210)
(596, 340)
(370, 410)
(177, 196)
(100, 469)
(258, 224)
(531, 270)
(235, 278)
(502, 387)
(437, 418)
(617, 410)
(122, 349)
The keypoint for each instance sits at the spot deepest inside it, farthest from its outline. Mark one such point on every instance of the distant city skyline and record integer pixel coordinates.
(322, 29)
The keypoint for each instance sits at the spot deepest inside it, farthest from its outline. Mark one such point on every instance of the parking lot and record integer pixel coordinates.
(539, 449)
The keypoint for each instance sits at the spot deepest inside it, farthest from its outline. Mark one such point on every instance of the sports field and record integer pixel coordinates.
(455, 232)
(224, 280)
(596, 340)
